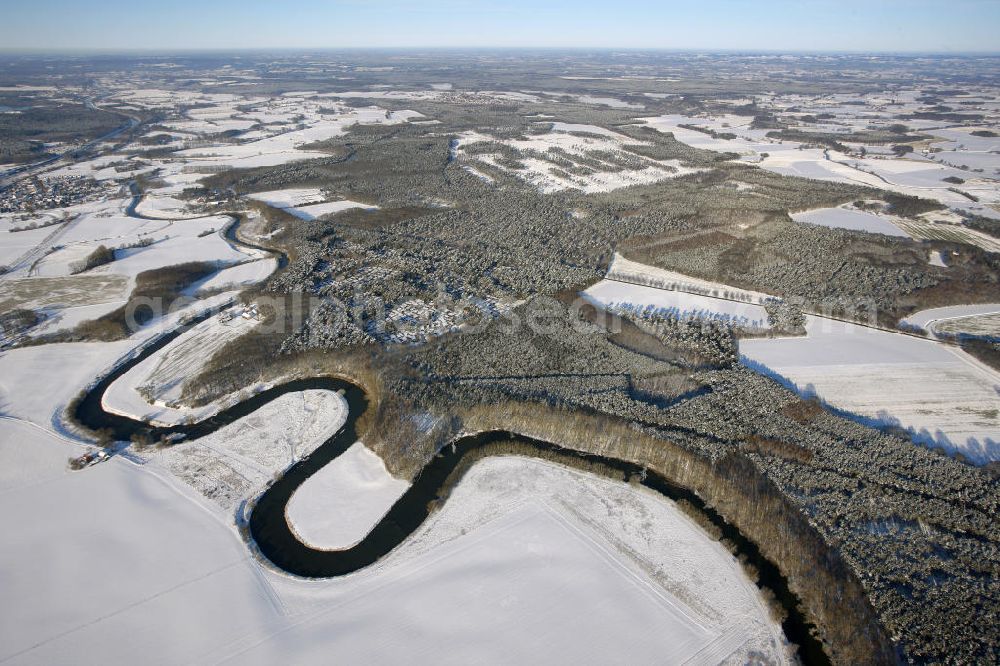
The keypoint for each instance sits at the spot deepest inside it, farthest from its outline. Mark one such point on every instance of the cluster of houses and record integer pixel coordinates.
(249, 312)
(33, 194)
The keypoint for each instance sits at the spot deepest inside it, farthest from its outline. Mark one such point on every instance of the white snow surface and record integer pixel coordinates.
(163, 374)
(236, 462)
(914, 175)
(240, 275)
(613, 102)
(163, 207)
(115, 563)
(607, 293)
(527, 560)
(626, 270)
(926, 319)
(174, 242)
(537, 151)
(289, 198)
(845, 218)
(37, 382)
(339, 505)
(941, 395)
(593, 129)
(285, 147)
(640, 286)
(67, 318)
(178, 250)
(315, 211)
(15, 244)
(306, 203)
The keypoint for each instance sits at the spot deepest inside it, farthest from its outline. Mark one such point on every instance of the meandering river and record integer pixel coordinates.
(274, 539)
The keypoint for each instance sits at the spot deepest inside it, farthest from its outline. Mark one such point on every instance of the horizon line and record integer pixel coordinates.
(167, 51)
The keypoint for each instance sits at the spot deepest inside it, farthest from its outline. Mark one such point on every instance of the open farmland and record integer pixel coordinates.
(931, 319)
(950, 233)
(63, 291)
(849, 149)
(650, 594)
(611, 293)
(237, 461)
(338, 506)
(567, 156)
(201, 569)
(305, 204)
(842, 218)
(986, 325)
(941, 396)
(633, 272)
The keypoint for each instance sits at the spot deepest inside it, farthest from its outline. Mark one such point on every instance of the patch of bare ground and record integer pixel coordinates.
(162, 286)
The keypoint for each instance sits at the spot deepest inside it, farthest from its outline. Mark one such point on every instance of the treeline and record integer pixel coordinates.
(100, 256)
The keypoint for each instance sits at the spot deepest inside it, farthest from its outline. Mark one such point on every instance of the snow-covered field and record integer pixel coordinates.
(14, 244)
(590, 129)
(184, 245)
(916, 174)
(483, 97)
(234, 277)
(546, 547)
(236, 462)
(850, 218)
(341, 503)
(290, 198)
(626, 270)
(104, 223)
(42, 278)
(305, 203)
(613, 102)
(951, 316)
(543, 158)
(925, 319)
(960, 148)
(635, 285)
(63, 292)
(527, 560)
(941, 395)
(69, 317)
(37, 382)
(152, 389)
(985, 325)
(748, 143)
(287, 146)
(163, 208)
(315, 211)
(608, 293)
(926, 229)
(115, 563)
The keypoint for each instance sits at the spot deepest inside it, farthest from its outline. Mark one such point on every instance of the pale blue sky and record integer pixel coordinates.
(773, 25)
